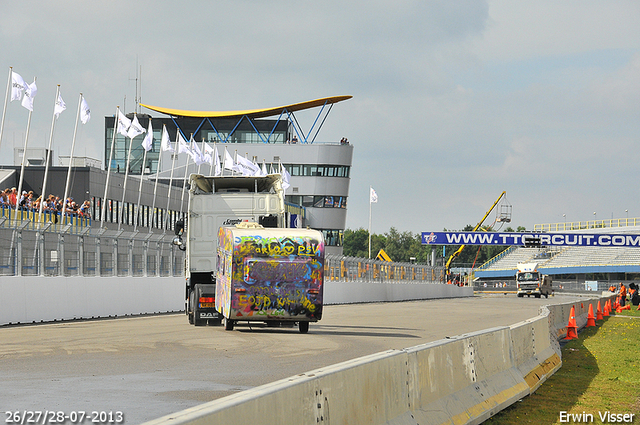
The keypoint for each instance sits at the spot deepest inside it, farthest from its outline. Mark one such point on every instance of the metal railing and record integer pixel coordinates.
(582, 225)
(360, 269)
(30, 248)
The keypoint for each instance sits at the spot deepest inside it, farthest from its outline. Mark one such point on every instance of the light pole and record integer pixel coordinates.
(595, 218)
(627, 222)
(565, 221)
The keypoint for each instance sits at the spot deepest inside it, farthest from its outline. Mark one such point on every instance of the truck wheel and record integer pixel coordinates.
(228, 324)
(546, 295)
(520, 295)
(303, 327)
(537, 295)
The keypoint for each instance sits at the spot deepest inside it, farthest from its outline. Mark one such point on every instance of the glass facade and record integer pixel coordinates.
(317, 170)
(211, 130)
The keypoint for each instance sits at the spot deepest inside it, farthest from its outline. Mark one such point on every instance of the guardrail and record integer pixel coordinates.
(461, 380)
(30, 248)
(582, 225)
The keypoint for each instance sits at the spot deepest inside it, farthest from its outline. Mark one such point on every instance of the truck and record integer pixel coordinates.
(269, 275)
(216, 201)
(531, 282)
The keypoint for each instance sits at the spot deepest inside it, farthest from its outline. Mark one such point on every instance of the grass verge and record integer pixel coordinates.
(600, 373)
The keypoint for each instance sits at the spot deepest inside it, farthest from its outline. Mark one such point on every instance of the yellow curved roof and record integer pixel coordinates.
(251, 113)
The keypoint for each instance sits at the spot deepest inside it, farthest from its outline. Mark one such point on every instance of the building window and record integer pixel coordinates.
(326, 201)
(308, 170)
(333, 237)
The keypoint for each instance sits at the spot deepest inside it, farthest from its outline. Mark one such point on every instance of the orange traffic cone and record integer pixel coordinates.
(572, 328)
(626, 307)
(599, 312)
(591, 319)
(607, 308)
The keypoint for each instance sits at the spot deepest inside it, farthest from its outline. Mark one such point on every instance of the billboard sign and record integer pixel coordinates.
(531, 239)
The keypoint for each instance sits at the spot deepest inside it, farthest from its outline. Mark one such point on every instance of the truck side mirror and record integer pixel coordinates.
(179, 227)
(177, 241)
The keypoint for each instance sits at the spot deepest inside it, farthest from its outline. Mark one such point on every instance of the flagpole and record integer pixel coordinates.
(196, 143)
(173, 166)
(106, 185)
(73, 145)
(126, 176)
(155, 186)
(46, 166)
(224, 160)
(4, 110)
(144, 160)
(184, 181)
(24, 158)
(370, 222)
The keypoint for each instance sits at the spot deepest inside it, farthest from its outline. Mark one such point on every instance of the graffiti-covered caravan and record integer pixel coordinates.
(269, 275)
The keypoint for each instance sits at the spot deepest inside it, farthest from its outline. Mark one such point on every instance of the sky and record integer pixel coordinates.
(453, 102)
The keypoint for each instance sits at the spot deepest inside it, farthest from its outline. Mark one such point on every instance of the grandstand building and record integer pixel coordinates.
(573, 263)
(320, 170)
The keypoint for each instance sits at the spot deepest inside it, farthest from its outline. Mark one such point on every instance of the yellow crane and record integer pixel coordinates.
(505, 217)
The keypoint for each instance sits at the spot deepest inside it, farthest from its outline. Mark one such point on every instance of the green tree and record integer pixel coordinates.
(356, 243)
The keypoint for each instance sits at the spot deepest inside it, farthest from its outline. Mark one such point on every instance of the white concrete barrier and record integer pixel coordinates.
(460, 380)
(44, 299)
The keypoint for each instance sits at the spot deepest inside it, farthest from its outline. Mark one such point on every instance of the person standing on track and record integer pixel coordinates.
(623, 294)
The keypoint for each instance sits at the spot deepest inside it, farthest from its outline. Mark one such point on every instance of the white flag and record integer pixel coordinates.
(29, 94)
(208, 153)
(264, 168)
(247, 167)
(229, 163)
(59, 106)
(85, 112)
(373, 197)
(17, 86)
(183, 147)
(123, 123)
(166, 142)
(285, 177)
(217, 169)
(135, 128)
(147, 143)
(198, 157)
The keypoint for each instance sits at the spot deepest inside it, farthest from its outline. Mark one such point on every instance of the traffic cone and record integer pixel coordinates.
(599, 312)
(607, 308)
(572, 328)
(591, 319)
(626, 307)
(616, 304)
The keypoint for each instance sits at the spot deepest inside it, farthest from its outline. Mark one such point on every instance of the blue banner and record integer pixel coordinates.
(531, 239)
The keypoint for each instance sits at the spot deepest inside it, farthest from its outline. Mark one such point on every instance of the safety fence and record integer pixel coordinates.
(351, 269)
(54, 249)
(37, 219)
(32, 248)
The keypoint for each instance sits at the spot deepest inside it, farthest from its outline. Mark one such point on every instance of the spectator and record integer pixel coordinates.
(13, 197)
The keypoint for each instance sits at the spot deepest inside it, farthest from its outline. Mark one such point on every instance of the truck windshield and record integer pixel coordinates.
(528, 276)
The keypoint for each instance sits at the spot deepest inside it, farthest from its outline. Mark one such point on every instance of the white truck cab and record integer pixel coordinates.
(531, 282)
(215, 202)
